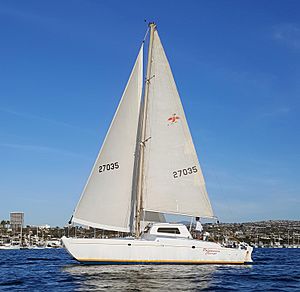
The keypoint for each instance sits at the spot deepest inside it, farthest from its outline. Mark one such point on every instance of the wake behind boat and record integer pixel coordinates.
(147, 167)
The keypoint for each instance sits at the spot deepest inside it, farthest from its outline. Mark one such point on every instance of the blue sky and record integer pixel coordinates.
(64, 65)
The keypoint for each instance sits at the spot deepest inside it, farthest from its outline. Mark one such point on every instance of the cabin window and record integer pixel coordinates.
(168, 230)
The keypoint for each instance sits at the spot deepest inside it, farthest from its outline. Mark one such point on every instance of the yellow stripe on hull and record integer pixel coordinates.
(158, 261)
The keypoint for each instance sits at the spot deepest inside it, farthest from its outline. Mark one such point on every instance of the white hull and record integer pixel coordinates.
(158, 251)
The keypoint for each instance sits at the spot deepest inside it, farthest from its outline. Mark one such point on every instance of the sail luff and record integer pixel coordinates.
(136, 167)
(139, 197)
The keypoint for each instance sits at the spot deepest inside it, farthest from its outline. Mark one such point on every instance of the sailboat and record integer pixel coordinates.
(147, 167)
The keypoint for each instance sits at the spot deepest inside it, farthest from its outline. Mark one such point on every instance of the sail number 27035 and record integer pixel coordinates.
(109, 166)
(184, 171)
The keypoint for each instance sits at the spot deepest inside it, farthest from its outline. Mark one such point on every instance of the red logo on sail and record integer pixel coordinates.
(173, 119)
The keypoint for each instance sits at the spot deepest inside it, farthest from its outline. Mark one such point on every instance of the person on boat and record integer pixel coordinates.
(198, 228)
(206, 235)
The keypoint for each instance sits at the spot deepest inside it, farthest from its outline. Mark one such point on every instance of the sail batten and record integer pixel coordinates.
(106, 199)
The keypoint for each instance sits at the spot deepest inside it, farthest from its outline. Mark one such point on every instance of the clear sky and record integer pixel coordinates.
(64, 65)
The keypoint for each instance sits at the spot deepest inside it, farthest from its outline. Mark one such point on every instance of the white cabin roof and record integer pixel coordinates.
(168, 230)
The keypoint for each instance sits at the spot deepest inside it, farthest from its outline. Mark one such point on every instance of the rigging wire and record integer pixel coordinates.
(147, 31)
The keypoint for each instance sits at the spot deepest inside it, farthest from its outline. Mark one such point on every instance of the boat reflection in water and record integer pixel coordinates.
(143, 278)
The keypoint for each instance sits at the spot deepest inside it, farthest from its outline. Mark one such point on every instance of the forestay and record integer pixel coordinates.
(173, 181)
(106, 200)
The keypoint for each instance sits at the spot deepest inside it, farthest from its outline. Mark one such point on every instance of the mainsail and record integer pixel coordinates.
(172, 178)
(106, 199)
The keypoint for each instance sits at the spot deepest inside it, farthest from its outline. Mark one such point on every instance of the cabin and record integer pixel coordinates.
(166, 230)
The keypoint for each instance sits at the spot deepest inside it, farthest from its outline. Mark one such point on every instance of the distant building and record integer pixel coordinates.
(46, 226)
(16, 220)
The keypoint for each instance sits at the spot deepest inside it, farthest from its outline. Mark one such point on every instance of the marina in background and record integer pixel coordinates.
(14, 235)
(263, 234)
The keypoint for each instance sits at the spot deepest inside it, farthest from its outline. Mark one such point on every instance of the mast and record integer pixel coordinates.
(139, 197)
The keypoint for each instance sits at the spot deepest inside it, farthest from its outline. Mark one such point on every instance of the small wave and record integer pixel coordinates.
(11, 283)
(218, 288)
(44, 259)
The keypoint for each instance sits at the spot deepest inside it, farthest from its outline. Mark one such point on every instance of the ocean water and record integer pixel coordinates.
(54, 270)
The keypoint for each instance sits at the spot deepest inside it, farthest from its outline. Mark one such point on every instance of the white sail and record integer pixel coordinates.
(173, 181)
(106, 200)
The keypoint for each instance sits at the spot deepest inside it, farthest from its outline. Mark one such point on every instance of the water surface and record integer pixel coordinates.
(54, 270)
